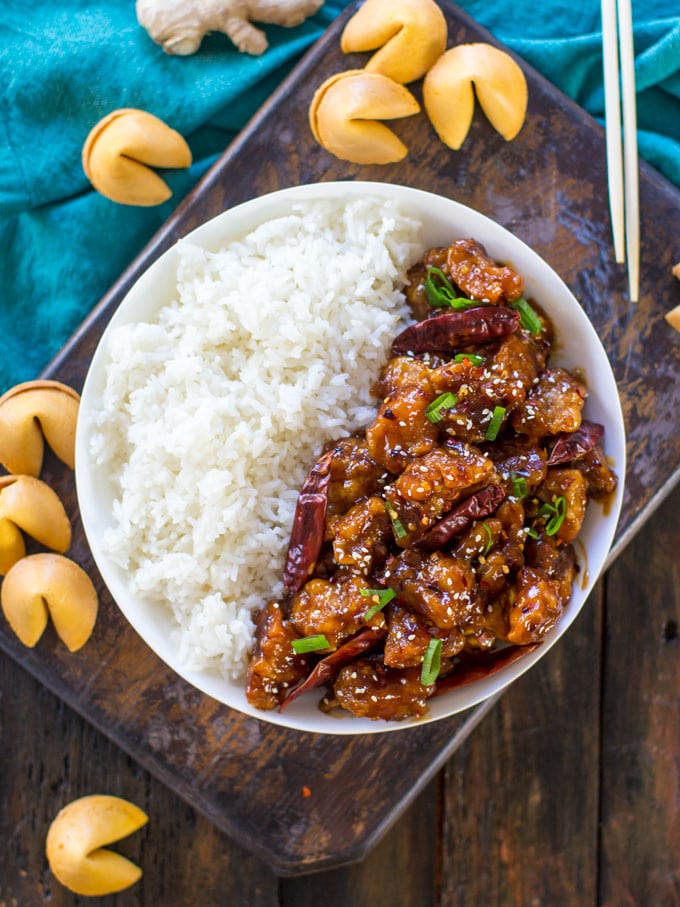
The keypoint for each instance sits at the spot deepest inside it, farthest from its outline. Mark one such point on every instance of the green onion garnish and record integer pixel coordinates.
(431, 662)
(527, 317)
(310, 644)
(440, 293)
(472, 358)
(495, 423)
(380, 597)
(558, 511)
(435, 409)
(532, 533)
(397, 524)
(519, 486)
(489, 536)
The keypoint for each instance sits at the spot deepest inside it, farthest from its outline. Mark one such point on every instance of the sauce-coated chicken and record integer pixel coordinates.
(444, 536)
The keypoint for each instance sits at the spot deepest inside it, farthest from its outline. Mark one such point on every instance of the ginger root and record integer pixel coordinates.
(180, 25)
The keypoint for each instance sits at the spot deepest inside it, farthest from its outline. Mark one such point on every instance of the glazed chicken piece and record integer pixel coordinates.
(555, 560)
(571, 485)
(503, 379)
(534, 606)
(401, 429)
(518, 457)
(601, 481)
(439, 586)
(506, 553)
(354, 475)
(406, 370)
(430, 485)
(478, 276)
(274, 667)
(554, 405)
(362, 536)
(335, 608)
(409, 634)
(369, 689)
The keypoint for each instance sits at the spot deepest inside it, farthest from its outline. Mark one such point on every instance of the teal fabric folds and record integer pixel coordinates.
(64, 66)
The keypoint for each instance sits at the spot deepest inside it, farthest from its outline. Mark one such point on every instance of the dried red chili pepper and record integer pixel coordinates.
(306, 536)
(576, 444)
(328, 668)
(493, 662)
(479, 505)
(454, 329)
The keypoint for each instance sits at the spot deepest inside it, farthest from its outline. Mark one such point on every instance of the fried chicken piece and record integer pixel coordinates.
(552, 406)
(478, 276)
(440, 587)
(409, 634)
(430, 485)
(334, 608)
(362, 536)
(274, 667)
(354, 475)
(369, 689)
(534, 606)
(401, 430)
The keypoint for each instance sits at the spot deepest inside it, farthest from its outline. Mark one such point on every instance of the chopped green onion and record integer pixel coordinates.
(440, 293)
(559, 511)
(397, 525)
(380, 597)
(435, 409)
(310, 644)
(554, 514)
(495, 423)
(489, 536)
(519, 486)
(527, 317)
(472, 358)
(431, 662)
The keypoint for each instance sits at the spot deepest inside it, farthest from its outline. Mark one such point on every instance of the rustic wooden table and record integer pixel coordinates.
(566, 795)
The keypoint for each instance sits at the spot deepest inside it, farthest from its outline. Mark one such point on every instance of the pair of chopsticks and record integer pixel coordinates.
(622, 154)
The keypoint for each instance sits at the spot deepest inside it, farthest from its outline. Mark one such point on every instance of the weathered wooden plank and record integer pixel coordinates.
(641, 720)
(521, 795)
(50, 756)
(550, 196)
(401, 870)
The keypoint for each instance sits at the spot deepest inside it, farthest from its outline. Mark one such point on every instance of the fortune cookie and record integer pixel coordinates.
(31, 506)
(49, 585)
(122, 148)
(346, 111)
(76, 844)
(448, 93)
(411, 35)
(30, 415)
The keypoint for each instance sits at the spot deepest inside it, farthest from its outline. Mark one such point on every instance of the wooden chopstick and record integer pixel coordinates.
(622, 154)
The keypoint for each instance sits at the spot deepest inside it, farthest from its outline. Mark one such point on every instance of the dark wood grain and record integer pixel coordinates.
(513, 820)
(641, 720)
(549, 188)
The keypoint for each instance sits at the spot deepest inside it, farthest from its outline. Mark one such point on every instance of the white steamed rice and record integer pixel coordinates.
(213, 413)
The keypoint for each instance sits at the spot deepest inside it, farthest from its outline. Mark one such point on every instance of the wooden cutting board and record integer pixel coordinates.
(304, 802)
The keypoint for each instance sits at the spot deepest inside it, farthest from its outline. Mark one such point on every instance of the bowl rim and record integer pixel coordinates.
(440, 213)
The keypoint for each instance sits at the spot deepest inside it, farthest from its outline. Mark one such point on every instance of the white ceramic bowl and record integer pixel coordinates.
(444, 220)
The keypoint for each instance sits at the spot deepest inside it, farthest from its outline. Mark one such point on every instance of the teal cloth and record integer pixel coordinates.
(64, 66)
